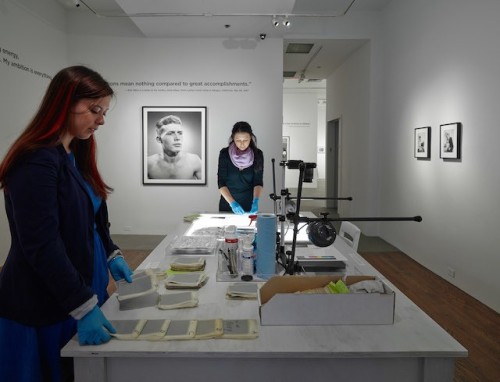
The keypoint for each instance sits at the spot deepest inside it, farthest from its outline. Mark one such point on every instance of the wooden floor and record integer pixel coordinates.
(470, 322)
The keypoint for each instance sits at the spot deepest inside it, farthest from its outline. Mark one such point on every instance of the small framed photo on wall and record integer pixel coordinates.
(174, 145)
(285, 152)
(422, 142)
(450, 140)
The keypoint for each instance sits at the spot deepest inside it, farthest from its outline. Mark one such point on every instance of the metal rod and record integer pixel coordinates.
(361, 219)
(321, 198)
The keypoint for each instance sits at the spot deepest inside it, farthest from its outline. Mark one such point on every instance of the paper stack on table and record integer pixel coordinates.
(193, 280)
(187, 299)
(187, 263)
(246, 291)
(140, 293)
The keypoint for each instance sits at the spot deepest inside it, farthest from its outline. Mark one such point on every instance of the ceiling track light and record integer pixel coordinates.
(275, 22)
(281, 20)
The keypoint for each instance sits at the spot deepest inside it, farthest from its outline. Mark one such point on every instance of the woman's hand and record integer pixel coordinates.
(120, 269)
(94, 328)
(255, 206)
(237, 209)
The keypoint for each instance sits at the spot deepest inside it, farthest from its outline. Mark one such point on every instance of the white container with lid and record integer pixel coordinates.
(247, 259)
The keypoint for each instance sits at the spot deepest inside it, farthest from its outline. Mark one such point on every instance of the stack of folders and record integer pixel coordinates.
(242, 291)
(188, 264)
(192, 280)
(164, 330)
(140, 293)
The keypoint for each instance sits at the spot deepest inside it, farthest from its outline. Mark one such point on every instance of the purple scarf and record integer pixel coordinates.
(241, 159)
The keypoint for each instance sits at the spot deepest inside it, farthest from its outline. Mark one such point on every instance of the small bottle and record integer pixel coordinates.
(231, 248)
(247, 259)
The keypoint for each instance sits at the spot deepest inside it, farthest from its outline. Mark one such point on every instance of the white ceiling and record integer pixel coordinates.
(242, 21)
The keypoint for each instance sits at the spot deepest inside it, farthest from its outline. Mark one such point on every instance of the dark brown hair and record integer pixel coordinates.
(244, 127)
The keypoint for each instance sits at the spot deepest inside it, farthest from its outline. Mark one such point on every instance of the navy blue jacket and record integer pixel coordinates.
(48, 271)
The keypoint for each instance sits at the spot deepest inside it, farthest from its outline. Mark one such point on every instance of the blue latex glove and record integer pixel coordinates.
(92, 328)
(255, 206)
(119, 269)
(237, 209)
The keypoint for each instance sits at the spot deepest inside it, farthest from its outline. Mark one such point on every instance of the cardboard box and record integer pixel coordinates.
(280, 305)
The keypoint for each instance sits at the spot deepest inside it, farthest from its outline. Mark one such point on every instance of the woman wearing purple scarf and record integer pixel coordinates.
(240, 172)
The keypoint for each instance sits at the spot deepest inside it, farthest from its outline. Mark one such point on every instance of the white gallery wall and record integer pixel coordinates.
(435, 62)
(443, 60)
(348, 99)
(32, 47)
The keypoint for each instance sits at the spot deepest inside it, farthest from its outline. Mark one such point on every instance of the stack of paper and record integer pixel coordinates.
(242, 291)
(186, 299)
(189, 264)
(140, 293)
(194, 280)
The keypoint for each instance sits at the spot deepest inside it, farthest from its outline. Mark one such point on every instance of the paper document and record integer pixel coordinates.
(313, 256)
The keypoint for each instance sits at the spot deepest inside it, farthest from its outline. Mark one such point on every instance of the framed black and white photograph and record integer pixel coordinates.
(174, 145)
(450, 140)
(422, 142)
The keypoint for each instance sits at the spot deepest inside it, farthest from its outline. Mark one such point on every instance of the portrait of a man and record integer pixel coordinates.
(174, 145)
(451, 140)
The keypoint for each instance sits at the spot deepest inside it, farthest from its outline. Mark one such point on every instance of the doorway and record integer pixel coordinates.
(332, 167)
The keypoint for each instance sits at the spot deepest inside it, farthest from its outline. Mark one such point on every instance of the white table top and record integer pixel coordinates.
(413, 334)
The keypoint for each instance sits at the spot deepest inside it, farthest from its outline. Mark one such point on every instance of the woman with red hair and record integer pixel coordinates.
(56, 273)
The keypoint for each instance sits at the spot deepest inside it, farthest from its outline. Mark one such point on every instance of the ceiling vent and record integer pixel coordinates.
(299, 48)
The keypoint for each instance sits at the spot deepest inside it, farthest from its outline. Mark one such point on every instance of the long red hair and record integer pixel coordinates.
(69, 86)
